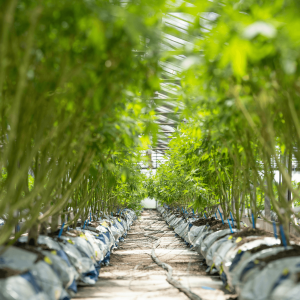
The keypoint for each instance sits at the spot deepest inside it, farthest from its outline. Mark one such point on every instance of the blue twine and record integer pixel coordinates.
(205, 216)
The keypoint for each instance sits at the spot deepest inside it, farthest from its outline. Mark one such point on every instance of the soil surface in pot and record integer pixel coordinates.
(283, 254)
(210, 221)
(218, 227)
(252, 232)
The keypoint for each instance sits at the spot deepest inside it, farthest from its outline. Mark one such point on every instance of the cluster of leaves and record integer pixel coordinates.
(241, 83)
(74, 79)
(178, 181)
(107, 189)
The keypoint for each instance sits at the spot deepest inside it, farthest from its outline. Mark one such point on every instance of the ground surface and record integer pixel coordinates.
(133, 275)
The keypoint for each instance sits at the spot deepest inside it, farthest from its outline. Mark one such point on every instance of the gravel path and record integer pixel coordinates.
(132, 274)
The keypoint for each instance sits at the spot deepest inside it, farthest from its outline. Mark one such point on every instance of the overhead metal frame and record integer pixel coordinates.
(165, 101)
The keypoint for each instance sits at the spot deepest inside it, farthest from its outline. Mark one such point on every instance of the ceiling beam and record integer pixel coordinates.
(177, 81)
(155, 98)
(167, 113)
(167, 124)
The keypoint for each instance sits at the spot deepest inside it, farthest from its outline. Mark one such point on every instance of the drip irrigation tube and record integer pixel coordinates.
(154, 230)
(169, 270)
(152, 237)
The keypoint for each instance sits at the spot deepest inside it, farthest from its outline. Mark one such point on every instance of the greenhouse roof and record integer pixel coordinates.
(165, 101)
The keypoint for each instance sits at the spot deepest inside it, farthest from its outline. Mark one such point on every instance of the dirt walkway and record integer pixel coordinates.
(133, 275)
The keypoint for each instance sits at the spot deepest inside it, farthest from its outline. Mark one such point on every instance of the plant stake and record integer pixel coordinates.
(283, 239)
(230, 226)
(61, 230)
(84, 224)
(221, 216)
(253, 223)
(232, 220)
(275, 230)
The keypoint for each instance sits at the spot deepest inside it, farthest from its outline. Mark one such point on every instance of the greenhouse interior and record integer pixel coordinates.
(150, 149)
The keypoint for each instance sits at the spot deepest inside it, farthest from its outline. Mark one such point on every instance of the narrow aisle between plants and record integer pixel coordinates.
(132, 274)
